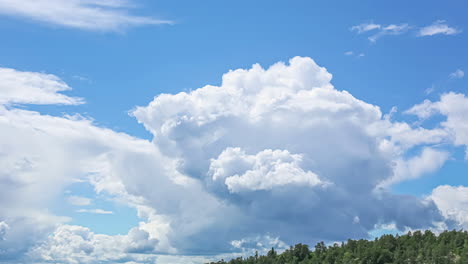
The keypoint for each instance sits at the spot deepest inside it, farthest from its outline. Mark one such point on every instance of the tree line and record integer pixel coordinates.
(449, 247)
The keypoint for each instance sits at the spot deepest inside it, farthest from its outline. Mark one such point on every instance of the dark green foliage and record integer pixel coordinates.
(449, 247)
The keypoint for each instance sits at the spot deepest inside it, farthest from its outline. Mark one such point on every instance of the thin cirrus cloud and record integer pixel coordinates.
(381, 30)
(361, 28)
(92, 15)
(79, 201)
(94, 211)
(437, 28)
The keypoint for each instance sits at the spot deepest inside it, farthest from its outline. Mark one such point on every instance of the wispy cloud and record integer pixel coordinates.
(458, 74)
(351, 53)
(438, 27)
(79, 201)
(94, 211)
(429, 90)
(381, 30)
(392, 29)
(361, 28)
(94, 15)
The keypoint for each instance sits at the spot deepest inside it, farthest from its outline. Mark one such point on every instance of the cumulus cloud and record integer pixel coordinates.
(458, 74)
(261, 244)
(35, 156)
(430, 160)
(263, 171)
(33, 88)
(96, 15)
(454, 107)
(438, 27)
(225, 136)
(254, 159)
(3, 229)
(453, 203)
(76, 244)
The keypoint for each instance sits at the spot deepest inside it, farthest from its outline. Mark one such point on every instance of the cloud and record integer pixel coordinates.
(392, 29)
(263, 171)
(79, 201)
(454, 106)
(438, 27)
(3, 230)
(224, 137)
(429, 161)
(430, 90)
(423, 110)
(361, 28)
(35, 156)
(19, 87)
(254, 159)
(94, 15)
(351, 53)
(458, 74)
(76, 244)
(452, 201)
(94, 211)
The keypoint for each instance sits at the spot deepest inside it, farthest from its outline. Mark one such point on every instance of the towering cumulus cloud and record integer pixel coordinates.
(288, 155)
(270, 157)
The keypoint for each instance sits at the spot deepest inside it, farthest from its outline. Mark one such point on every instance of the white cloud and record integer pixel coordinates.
(438, 27)
(79, 201)
(430, 90)
(35, 156)
(33, 88)
(263, 171)
(392, 29)
(381, 30)
(430, 160)
(351, 53)
(361, 28)
(423, 110)
(96, 15)
(454, 107)
(76, 244)
(94, 211)
(458, 74)
(287, 107)
(277, 134)
(452, 201)
(3, 230)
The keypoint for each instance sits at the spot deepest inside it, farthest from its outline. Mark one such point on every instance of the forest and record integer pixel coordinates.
(412, 248)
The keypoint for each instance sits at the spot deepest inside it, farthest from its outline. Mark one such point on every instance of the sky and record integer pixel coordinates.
(138, 131)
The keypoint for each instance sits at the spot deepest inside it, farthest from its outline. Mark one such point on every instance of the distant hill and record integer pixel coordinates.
(413, 248)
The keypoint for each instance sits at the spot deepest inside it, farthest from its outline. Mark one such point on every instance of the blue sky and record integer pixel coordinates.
(142, 166)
